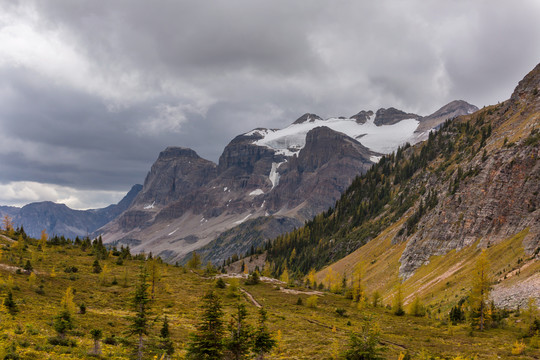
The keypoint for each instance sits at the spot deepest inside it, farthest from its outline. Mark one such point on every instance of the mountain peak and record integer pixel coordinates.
(177, 151)
(392, 116)
(307, 117)
(528, 86)
(362, 116)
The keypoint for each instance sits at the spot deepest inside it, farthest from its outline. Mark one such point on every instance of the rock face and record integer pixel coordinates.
(266, 182)
(58, 219)
(498, 193)
(449, 111)
(392, 116)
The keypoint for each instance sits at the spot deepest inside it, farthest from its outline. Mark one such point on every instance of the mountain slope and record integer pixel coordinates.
(474, 184)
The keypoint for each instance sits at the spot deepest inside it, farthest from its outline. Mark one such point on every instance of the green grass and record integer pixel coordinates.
(306, 333)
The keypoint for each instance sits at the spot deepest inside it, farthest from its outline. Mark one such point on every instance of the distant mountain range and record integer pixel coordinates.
(58, 219)
(267, 182)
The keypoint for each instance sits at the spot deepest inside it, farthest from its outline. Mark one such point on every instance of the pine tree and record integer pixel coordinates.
(141, 306)
(207, 342)
(166, 344)
(239, 341)
(397, 309)
(96, 268)
(478, 298)
(10, 304)
(63, 322)
(96, 336)
(262, 339)
(365, 344)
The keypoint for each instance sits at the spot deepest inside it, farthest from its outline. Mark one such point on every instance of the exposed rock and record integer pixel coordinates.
(307, 117)
(392, 116)
(362, 116)
(448, 111)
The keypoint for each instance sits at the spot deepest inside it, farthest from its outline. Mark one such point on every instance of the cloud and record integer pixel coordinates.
(91, 93)
(22, 192)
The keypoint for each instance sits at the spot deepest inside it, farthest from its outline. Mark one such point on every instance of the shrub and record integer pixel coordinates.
(311, 301)
(220, 283)
(341, 312)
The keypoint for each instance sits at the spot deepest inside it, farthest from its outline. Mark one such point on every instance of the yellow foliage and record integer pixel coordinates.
(285, 276)
(335, 349)
(67, 301)
(518, 347)
(311, 301)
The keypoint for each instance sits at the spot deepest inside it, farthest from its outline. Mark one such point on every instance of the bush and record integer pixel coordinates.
(220, 283)
(311, 301)
(299, 301)
(110, 340)
(341, 312)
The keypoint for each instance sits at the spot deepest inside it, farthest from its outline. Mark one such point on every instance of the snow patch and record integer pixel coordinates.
(225, 188)
(256, 192)
(274, 175)
(262, 205)
(241, 221)
(383, 139)
(375, 159)
(151, 206)
(173, 232)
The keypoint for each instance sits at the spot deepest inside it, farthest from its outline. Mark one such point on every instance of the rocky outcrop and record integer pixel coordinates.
(362, 116)
(449, 111)
(392, 116)
(307, 117)
(176, 173)
(490, 195)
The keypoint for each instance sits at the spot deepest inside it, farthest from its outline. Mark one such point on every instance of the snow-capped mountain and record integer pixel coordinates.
(267, 182)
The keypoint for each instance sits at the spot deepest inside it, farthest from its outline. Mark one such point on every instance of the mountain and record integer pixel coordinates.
(58, 219)
(267, 182)
(424, 213)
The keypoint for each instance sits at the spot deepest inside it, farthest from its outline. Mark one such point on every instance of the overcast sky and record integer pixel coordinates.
(92, 91)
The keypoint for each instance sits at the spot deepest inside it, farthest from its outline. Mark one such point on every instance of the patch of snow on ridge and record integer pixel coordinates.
(173, 232)
(274, 175)
(384, 138)
(241, 221)
(256, 192)
(151, 206)
(375, 159)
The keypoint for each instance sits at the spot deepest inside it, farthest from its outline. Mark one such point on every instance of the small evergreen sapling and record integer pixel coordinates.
(207, 342)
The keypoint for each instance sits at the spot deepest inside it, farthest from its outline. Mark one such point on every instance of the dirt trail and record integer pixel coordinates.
(250, 298)
(296, 292)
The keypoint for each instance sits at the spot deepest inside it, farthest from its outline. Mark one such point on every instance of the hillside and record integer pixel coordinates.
(472, 185)
(303, 331)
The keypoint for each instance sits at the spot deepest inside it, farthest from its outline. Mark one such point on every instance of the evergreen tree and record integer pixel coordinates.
(239, 341)
(96, 268)
(364, 345)
(141, 305)
(63, 322)
(397, 309)
(10, 305)
(96, 336)
(166, 344)
(207, 342)
(262, 339)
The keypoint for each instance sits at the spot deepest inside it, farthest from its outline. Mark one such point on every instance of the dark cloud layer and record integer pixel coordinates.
(91, 92)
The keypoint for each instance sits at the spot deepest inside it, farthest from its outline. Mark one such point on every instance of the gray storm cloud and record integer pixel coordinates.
(90, 92)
